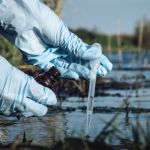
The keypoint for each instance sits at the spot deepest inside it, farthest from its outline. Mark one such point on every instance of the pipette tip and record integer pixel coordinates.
(88, 136)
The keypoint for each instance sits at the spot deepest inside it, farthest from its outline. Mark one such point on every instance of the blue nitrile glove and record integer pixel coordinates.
(81, 68)
(21, 93)
(42, 36)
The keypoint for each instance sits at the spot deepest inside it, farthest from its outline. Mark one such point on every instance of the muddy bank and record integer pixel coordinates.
(65, 144)
(70, 143)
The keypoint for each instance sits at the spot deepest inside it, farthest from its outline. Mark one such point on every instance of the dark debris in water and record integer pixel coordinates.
(80, 144)
(106, 109)
(65, 144)
(97, 109)
(139, 110)
(58, 109)
(87, 136)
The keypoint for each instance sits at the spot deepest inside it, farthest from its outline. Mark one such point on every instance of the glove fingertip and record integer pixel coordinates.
(106, 63)
(101, 71)
(110, 67)
(52, 100)
(31, 108)
(42, 110)
(91, 53)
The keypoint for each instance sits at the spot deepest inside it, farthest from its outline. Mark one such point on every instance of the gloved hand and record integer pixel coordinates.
(75, 68)
(21, 93)
(45, 40)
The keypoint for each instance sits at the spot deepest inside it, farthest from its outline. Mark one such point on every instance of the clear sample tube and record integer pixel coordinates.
(94, 64)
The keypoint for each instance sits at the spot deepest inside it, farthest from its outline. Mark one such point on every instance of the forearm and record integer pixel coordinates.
(56, 33)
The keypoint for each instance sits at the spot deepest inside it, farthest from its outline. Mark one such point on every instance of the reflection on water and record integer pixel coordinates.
(50, 128)
(127, 123)
(130, 59)
(44, 130)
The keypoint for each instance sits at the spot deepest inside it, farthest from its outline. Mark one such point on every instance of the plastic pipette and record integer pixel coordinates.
(94, 64)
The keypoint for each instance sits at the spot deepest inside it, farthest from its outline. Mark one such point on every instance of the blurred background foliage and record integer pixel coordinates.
(128, 42)
(55, 5)
(146, 34)
(91, 37)
(10, 52)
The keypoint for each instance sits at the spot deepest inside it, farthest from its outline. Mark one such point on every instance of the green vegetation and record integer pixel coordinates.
(10, 52)
(91, 37)
(145, 35)
(128, 42)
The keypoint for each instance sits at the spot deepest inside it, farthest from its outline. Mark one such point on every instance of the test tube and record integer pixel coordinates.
(94, 64)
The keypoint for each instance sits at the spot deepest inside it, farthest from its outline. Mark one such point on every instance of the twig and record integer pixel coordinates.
(108, 124)
(13, 147)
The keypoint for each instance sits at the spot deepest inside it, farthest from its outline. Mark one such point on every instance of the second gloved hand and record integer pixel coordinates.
(20, 93)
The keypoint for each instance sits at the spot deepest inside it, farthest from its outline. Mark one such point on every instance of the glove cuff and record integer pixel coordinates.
(5, 67)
